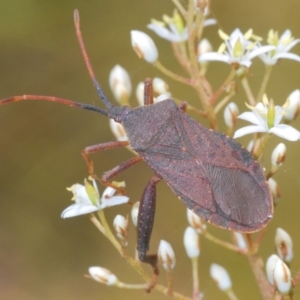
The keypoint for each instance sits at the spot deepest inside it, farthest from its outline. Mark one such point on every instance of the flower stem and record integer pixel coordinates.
(223, 87)
(172, 75)
(248, 91)
(195, 278)
(224, 244)
(231, 295)
(264, 83)
(108, 232)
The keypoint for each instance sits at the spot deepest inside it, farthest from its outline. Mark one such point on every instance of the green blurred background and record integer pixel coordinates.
(45, 257)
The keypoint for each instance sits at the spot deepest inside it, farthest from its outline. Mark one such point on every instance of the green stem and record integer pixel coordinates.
(108, 232)
(231, 295)
(222, 243)
(264, 83)
(172, 75)
(180, 7)
(191, 39)
(262, 146)
(195, 278)
(248, 91)
(223, 87)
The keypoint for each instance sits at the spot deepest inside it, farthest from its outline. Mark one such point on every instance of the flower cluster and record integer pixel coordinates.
(184, 30)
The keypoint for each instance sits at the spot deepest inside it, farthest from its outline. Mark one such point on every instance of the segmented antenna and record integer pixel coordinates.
(87, 61)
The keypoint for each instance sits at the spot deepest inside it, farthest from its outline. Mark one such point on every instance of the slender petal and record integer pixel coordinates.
(247, 130)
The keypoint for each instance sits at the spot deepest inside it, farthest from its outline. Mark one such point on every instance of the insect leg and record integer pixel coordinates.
(183, 106)
(99, 147)
(148, 91)
(145, 224)
(118, 169)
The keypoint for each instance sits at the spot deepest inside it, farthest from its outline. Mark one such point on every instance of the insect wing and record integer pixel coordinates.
(212, 174)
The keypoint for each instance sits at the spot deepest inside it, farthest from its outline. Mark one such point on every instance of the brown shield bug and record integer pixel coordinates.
(210, 173)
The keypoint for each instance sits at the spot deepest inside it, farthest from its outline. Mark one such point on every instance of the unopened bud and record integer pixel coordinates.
(282, 277)
(139, 92)
(204, 47)
(284, 245)
(191, 242)
(135, 212)
(195, 221)
(240, 241)
(231, 113)
(292, 111)
(275, 190)
(118, 130)
(103, 275)
(160, 86)
(144, 46)
(270, 265)
(162, 97)
(166, 255)
(121, 227)
(221, 277)
(120, 84)
(278, 155)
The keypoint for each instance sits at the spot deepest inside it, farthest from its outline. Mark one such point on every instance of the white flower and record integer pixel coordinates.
(195, 221)
(120, 84)
(204, 47)
(103, 275)
(282, 277)
(237, 49)
(176, 32)
(278, 155)
(191, 242)
(118, 130)
(166, 255)
(266, 118)
(87, 199)
(121, 226)
(221, 277)
(144, 46)
(294, 108)
(270, 265)
(231, 112)
(173, 28)
(284, 245)
(282, 46)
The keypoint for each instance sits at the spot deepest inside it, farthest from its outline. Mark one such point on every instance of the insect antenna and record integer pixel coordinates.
(100, 92)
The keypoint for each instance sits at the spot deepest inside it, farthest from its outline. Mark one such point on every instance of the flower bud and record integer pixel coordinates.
(160, 86)
(162, 97)
(275, 191)
(103, 275)
(195, 221)
(221, 277)
(144, 46)
(204, 47)
(135, 212)
(139, 92)
(240, 241)
(166, 255)
(121, 227)
(284, 245)
(231, 113)
(191, 242)
(120, 84)
(118, 130)
(282, 277)
(270, 265)
(278, 155)
(292, 111)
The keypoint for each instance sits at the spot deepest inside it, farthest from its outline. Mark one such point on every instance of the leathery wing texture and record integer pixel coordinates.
(211, 173)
